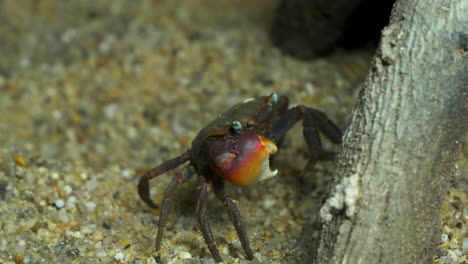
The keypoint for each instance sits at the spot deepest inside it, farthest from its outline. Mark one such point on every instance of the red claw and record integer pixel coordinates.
(245, 161)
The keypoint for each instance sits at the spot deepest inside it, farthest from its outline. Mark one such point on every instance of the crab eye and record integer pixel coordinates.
(236, 125)
(274, 97)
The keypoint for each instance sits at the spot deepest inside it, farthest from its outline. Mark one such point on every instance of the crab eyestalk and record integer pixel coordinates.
(245, 161)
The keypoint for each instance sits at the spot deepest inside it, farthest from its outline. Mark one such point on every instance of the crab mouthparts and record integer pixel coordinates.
(250, 163)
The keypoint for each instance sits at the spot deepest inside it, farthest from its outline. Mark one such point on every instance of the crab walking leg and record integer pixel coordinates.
(310, 132)
(166, 206)
(284, 123)
(312, 139)
(313, 120)
(323, 123)
(203, 218)
(143, 184)
(234, 214)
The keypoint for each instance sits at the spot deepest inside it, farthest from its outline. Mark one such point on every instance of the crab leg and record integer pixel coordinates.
(203, 188)
(312, 139)
(166, 206)
(143, 184)
(234, 214)
(313, 120)
(313, 117)
(284, 123)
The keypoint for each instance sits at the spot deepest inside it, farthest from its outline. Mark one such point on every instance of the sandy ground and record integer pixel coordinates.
(93, 93)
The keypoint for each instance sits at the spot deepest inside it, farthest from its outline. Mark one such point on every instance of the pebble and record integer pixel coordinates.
(267, 203)
(67, 189)
(98, 236)
(71, 201)
(224, 250)
(59, 203)
(73, 253)
(208, 260)
(310, 89)
(118, 256)
(90, 206)
(88, 229)
(98, 245)
(76, 234)
(110, 110)
(453, 254)
(279, 226)
(29, 259)
(21, 161)
(137, 261)
(84, 176)
(124, 242)
(465, 244)
(126, 173)
(19, 258)
(68, 35)
(54, 176)
(444, 238)
(24, 63)
(151, 261)
(57, 114)
(3, 245)
(184, 255)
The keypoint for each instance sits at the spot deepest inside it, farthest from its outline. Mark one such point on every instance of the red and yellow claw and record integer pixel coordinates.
(249, 162)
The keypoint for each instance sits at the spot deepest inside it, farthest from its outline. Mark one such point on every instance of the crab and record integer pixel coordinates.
(236, 147)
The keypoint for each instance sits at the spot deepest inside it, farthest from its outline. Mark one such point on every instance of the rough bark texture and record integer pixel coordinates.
(400, 149)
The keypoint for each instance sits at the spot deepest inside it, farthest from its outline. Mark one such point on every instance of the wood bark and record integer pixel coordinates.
(399, 152)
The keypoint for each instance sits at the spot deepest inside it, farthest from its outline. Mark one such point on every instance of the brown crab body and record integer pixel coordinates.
(240, 155)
